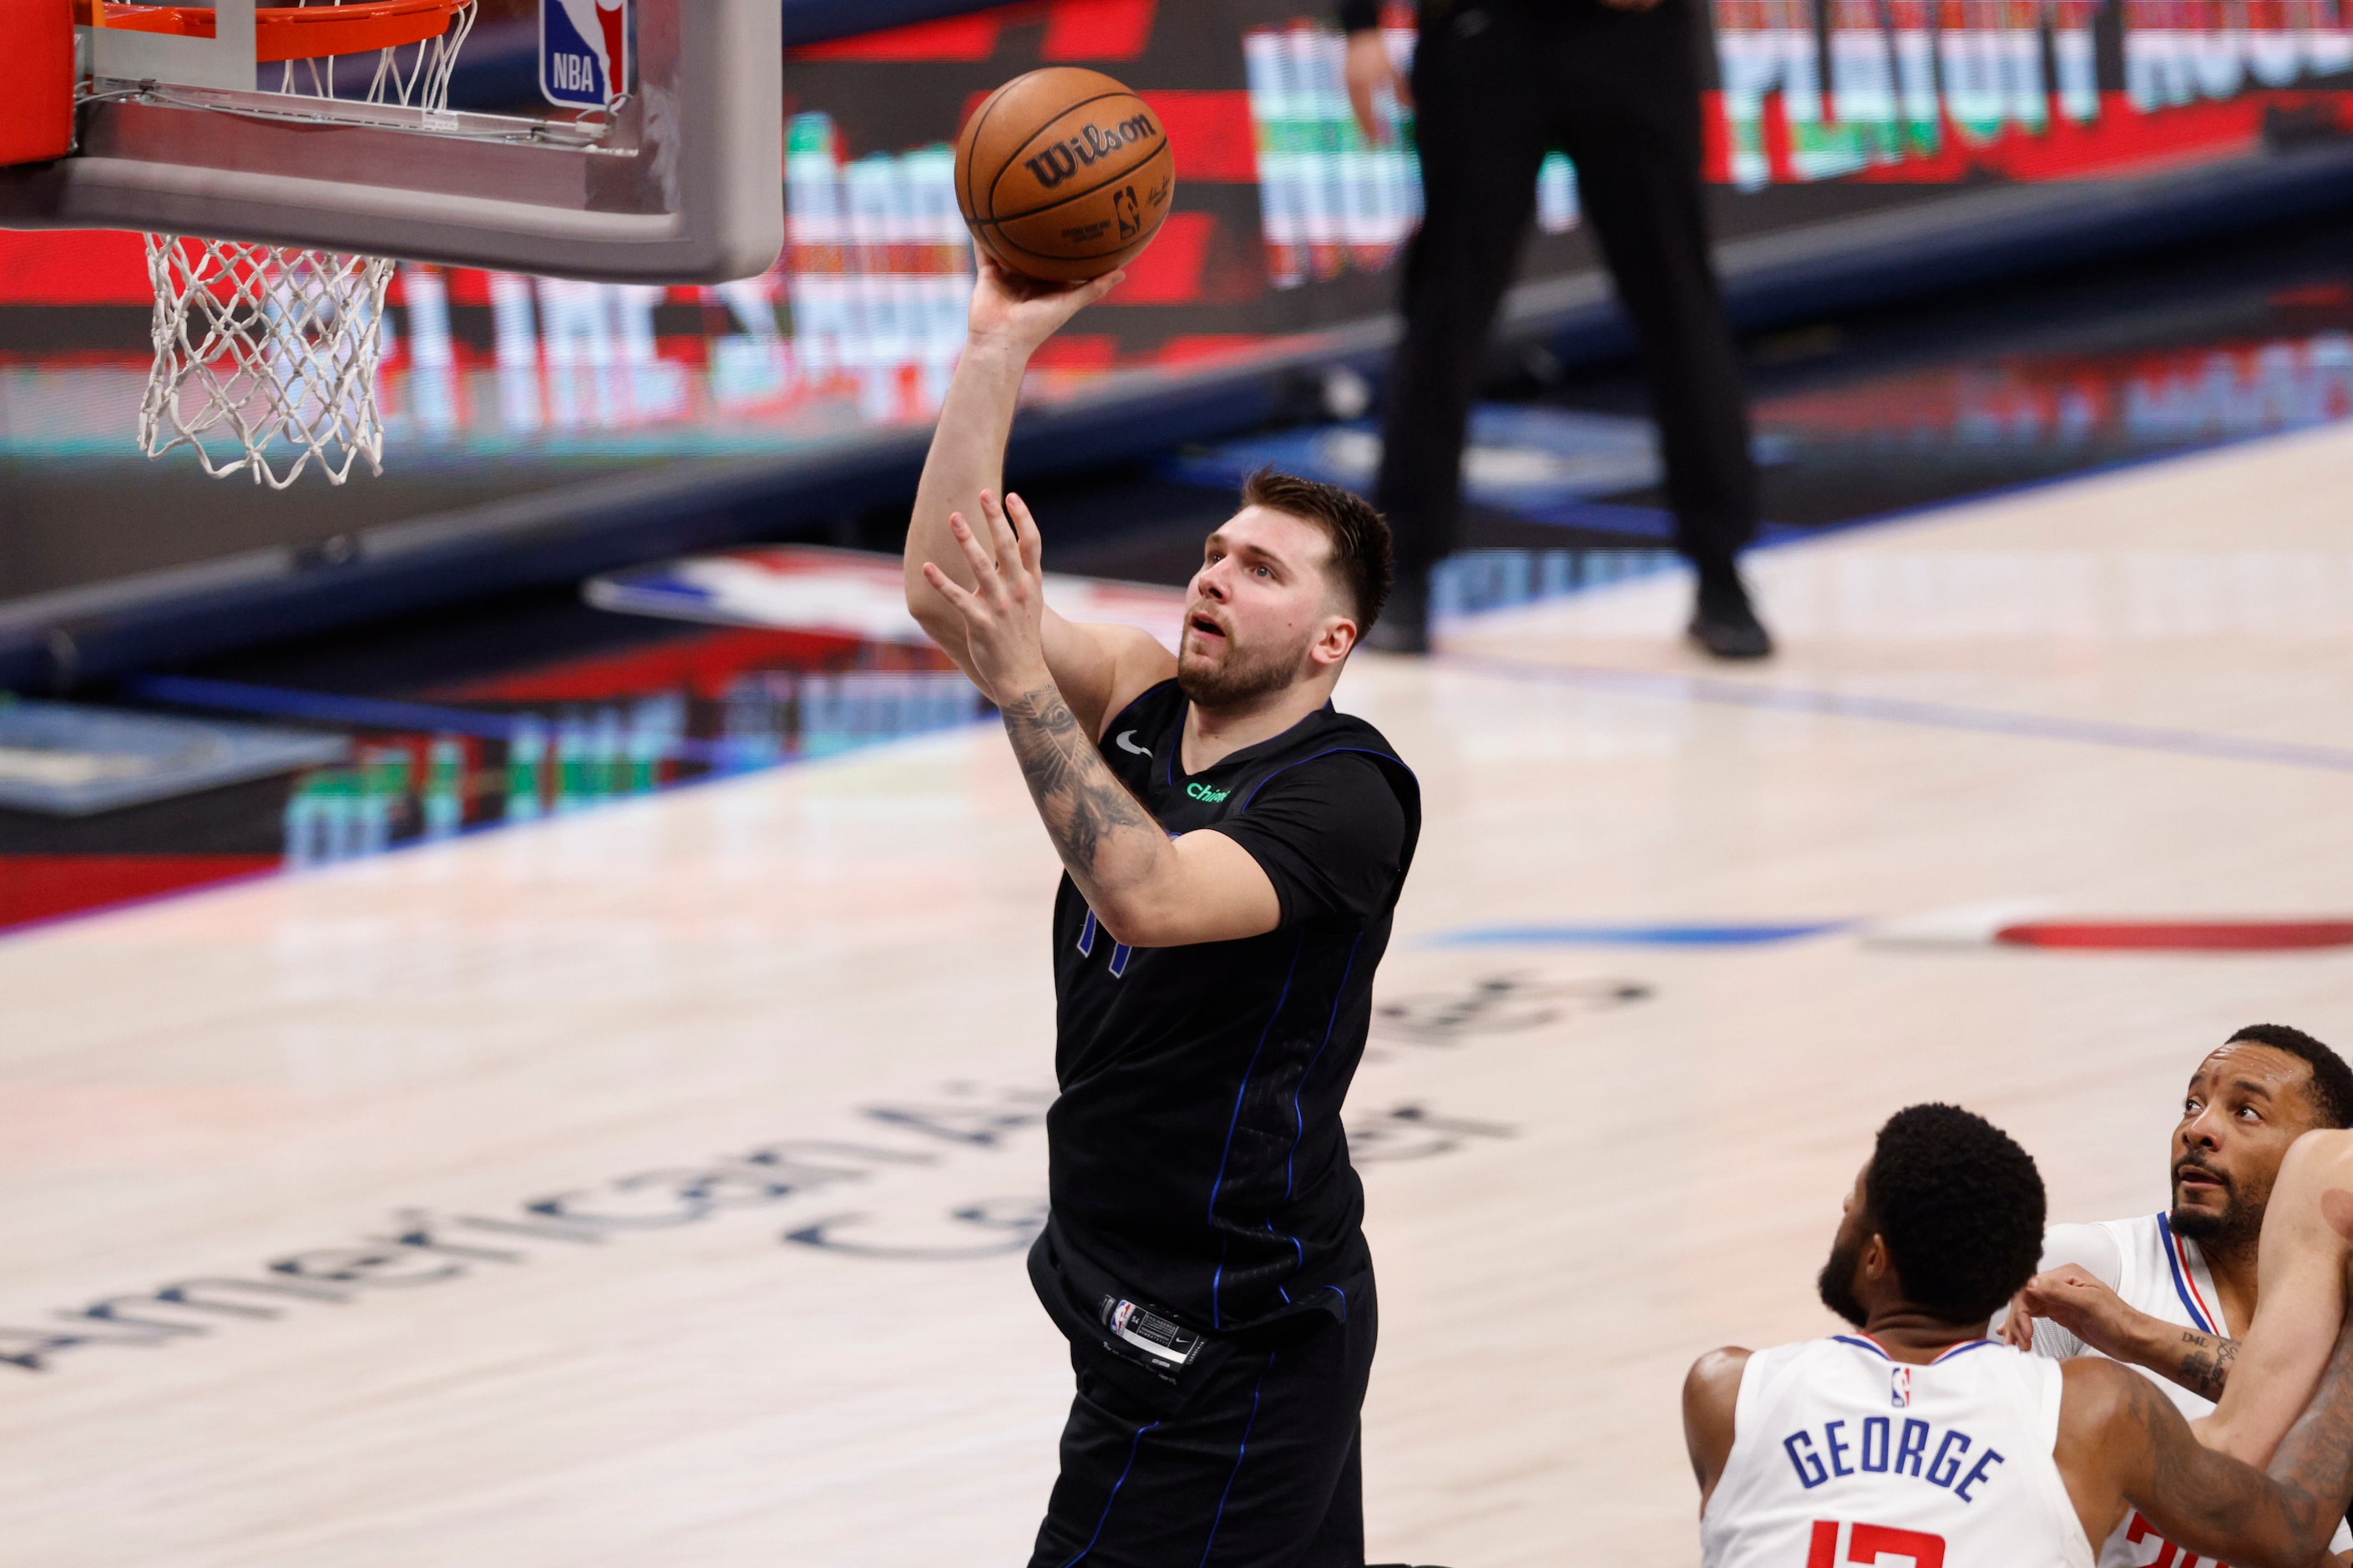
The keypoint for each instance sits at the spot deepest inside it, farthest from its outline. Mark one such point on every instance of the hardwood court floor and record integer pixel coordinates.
(647, 1187)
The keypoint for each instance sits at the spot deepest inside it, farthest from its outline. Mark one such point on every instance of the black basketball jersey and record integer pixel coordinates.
(1197, 1161)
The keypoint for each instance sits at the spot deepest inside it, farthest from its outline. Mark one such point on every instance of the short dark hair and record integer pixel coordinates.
(2331, 1086)
(1362, 552)
(1961, 1207)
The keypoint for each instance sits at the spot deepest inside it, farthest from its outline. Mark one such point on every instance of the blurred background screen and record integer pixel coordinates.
(1288, 226)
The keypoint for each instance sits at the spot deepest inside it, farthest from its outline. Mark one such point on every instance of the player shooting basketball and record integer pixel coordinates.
(1233, 850)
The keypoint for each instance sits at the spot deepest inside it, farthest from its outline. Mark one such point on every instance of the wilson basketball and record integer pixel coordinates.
(1064, 174)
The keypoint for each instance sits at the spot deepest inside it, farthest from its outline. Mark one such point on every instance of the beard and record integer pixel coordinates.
(2234, 1226)
(1836, 1281)
(1241, 675)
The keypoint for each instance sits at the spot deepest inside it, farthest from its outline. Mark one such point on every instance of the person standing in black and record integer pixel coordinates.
(1233, 848)
(1615, 84)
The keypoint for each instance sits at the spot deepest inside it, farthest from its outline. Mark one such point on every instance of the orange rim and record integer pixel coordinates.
(303, 32)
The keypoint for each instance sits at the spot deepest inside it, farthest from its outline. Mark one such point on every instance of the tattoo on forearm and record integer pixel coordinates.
(2205, 1367)
(1092, 819)
(2240, 1513)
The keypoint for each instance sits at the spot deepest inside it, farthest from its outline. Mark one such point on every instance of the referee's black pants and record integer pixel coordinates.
(1259, 1467)
(1496, 83)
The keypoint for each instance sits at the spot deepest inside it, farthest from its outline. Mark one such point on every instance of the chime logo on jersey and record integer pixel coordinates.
(1899, 1392)
(584, 51)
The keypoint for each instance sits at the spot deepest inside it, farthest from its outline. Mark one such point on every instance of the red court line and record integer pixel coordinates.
(2179, 936)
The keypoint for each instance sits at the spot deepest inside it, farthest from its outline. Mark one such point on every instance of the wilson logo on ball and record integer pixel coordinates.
(1059, 163)
(1064, 174)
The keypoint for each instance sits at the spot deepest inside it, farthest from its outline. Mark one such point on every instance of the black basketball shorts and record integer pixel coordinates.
(1258, 1466)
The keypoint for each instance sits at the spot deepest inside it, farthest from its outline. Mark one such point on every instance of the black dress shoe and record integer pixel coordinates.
(1403, 626)
(1725, 623)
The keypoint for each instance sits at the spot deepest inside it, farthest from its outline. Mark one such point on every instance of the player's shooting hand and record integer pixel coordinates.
(1368, 70)
(1020, 313)
(1004, 612)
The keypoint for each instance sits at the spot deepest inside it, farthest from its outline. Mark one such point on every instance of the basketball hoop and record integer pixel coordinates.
(277, 345)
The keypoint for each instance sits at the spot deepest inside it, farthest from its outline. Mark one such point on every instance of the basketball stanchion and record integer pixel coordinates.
(277, 346)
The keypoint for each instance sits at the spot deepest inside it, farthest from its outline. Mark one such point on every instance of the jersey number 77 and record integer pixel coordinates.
(1872, 1545)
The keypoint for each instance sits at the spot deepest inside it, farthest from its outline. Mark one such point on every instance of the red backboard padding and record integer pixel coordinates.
(36, 39)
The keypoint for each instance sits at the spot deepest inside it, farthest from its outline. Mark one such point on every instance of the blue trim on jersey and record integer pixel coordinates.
(1333, 751)
(1240, 1448)
(2180, 1281)
(1298, 1116)
(1131, 1447)
(1217, 1279)
(1087, 936)
(1945, 1355)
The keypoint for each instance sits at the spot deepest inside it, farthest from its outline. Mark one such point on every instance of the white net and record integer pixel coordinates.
(274, 349)
(266, 356)
(416, 76)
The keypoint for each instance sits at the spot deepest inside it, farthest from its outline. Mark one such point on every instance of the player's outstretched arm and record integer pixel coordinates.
(2121, 1441)
(964, 474)
(2300, 1295)
(1146, 889)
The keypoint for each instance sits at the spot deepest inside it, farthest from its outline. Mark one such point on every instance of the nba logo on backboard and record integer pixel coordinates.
(584, 51)
(1899, 1392)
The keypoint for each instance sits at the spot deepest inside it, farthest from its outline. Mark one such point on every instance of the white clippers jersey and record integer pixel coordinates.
(1841, 1455)
(2164, 1275)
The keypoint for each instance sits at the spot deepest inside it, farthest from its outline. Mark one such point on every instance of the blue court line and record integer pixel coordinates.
(1718, 935)
(1927, 715)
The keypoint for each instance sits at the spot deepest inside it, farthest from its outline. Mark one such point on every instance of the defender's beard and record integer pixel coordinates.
(1837, 1282)
(2235, 1228)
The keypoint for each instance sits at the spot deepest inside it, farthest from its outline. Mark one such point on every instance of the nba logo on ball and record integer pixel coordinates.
(584, 51)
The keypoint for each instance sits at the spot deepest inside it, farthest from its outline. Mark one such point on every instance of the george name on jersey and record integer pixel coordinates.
(1878, 1446)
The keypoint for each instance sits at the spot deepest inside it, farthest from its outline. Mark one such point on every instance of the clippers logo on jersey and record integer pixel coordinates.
(584, 51)
(1899, 1387)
